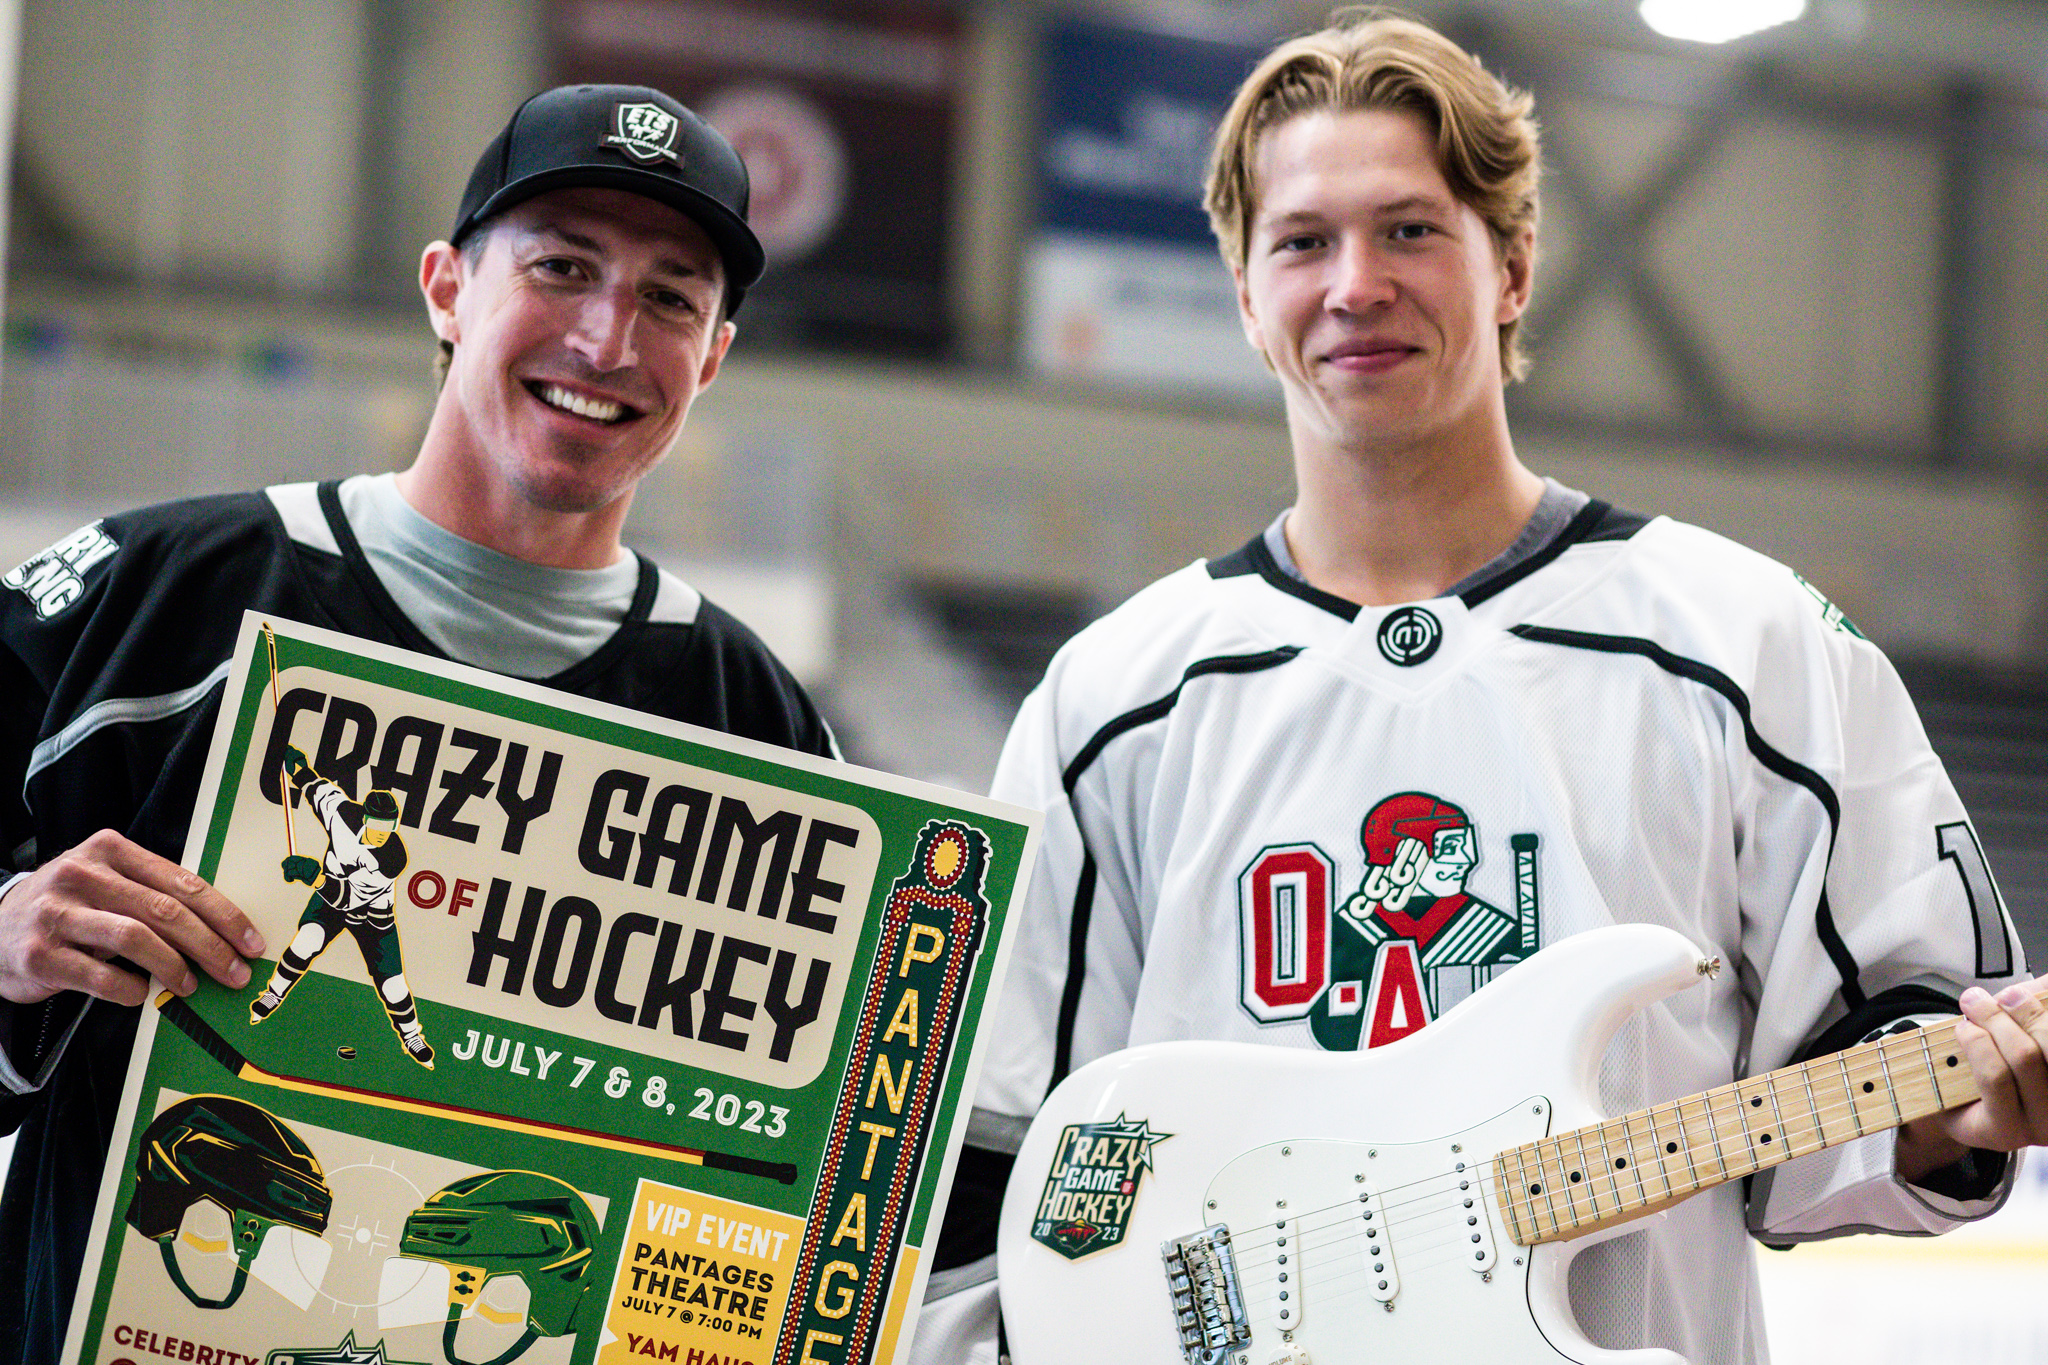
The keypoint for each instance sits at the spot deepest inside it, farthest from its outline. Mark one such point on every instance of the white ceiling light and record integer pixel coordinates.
(1717, 21)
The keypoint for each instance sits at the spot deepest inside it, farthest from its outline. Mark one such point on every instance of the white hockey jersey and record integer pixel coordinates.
(1275, 817)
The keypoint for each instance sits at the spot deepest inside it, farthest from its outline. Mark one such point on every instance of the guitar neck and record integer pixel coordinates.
(1607, 1173)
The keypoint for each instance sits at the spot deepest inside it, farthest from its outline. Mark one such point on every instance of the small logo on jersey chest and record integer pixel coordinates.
(1409, 636)
(1086, 1204)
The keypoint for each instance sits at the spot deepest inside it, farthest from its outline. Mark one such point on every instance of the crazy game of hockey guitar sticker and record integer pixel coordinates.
(581, 1037)
(1088, 1197)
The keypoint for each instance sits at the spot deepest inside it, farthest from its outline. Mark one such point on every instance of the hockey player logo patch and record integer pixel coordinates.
(1408, 943)
(1086, 1204)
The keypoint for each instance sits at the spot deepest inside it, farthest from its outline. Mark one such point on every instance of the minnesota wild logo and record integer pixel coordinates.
(1093, 1186)
(346, 1353)
(1412, 941)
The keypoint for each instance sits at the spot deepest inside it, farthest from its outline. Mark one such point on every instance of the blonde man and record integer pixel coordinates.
(1671, 729)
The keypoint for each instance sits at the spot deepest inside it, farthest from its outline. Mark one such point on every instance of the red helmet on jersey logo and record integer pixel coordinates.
(1409, 815)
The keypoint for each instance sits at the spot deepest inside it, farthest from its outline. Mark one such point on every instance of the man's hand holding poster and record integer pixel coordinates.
(586, 1038)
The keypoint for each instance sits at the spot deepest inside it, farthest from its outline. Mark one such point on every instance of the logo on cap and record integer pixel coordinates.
(646, 132)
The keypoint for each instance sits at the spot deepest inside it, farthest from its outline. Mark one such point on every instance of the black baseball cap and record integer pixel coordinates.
(621, 137)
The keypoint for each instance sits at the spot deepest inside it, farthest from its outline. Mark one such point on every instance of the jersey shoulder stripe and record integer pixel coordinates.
(1159, 707)
(1771, 757)
(1596, 521)
(1254, 558)
(121, 711)
(1084, 885)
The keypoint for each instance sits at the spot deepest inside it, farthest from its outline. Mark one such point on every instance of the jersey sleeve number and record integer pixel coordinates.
(1957, 842)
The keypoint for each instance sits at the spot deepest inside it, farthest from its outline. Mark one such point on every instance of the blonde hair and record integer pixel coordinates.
(1485, 135)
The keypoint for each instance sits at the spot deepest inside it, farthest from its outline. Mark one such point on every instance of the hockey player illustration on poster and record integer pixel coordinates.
(351, 890)
(1412, 941)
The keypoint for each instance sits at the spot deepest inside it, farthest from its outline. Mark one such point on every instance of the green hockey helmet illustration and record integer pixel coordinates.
(240, 1157)
(516, 1223)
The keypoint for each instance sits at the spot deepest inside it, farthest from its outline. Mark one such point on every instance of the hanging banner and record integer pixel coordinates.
(585, 1037)
(1122, 282)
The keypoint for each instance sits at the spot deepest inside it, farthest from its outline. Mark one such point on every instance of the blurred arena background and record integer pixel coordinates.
(1794, 287)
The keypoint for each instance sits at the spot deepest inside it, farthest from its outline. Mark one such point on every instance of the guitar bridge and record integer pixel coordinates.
(1208, 1302)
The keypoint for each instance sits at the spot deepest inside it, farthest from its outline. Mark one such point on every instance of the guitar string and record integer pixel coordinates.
(1333, 1251)
(1316, 1278)
(1710, 1105)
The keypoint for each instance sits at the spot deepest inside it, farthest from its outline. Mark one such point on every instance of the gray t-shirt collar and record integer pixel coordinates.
(1553, 513)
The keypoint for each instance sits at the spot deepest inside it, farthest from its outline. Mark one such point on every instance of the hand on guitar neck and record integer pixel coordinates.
(2004, 1038)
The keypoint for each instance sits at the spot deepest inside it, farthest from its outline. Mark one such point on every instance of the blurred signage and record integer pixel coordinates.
(844, 112)
(1123, 282)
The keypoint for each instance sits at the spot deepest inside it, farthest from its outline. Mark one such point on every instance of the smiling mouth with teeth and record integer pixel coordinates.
(596, 409)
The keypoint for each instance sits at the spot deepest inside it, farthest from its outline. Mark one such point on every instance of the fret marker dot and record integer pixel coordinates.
(1756, 1102)
(1767, 1137)
(1670, 1146)
(1951, 1061)
(1535, 1189)
(1575, 1177)
(1620, 1163)
(1868, 1087)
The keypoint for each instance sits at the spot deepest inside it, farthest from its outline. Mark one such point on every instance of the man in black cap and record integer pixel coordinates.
(583, 300)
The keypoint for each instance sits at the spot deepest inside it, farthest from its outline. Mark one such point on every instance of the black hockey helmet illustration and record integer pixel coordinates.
(380, 805)
(239, 1156)
(517, 1223)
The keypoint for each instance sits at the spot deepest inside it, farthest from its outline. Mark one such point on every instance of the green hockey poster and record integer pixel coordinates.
(582, 1036)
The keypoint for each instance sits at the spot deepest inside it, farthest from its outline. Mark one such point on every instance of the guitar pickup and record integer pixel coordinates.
(1208, 1300)
(1376, 1246)
(1474, 1220)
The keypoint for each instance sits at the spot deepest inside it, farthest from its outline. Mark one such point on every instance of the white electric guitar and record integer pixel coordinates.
(1407, 1204)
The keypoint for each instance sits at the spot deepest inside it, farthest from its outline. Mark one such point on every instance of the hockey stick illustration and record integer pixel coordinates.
(1524, 846)
(284, 777)
(221, 1050)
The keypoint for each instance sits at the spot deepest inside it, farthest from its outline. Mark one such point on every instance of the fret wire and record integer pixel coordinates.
(1714, 1127)
(1933, 1070)
(1634, 1158)
(1578, 1137)
(1820, 1128)
(1663, 1157)
(1549, 1185)
(1587, 1174)
(1515, 1191)
(1545, 1151)
(1890, 1091)
(1608, 1168)
(1784, 1138)
(1685, 1147)
(1849, 1089)
(1734, 1092)
(1743, 1109)
(1500, 1182)
(1705, 1144)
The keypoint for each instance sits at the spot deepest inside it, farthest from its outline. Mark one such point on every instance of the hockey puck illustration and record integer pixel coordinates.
(345, 1052)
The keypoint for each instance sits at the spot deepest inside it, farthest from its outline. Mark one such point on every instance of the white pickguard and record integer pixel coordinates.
(1263, 1136)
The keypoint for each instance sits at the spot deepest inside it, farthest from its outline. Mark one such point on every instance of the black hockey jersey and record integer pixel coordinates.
(114, 645)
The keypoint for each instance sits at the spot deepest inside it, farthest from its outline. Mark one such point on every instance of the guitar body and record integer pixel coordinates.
(1368, 1172)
